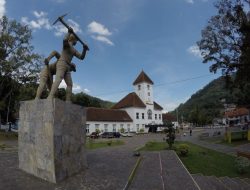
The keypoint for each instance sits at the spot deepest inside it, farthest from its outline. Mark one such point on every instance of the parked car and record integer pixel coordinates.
(126, 135)
(107, 135)
(116, 134)
(94, 135)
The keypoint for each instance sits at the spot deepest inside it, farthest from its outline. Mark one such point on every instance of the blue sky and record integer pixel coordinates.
(124, 37)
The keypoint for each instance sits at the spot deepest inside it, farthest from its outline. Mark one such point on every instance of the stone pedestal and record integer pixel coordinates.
(51, 139)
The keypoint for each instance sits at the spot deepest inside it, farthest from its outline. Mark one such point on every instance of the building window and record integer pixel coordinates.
(139, 87)
(142, 115)
(128, 127)
(137, 128)
(87, 128)
(149, 114)
(155, 116)
(137, 115)
(97, 127)
(105, 127)
(114, 127)
(159, 116)
(121, 126)
(148, 93)
(148, 87)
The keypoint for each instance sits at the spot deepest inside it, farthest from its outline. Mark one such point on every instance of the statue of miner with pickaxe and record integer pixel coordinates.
(64, 62)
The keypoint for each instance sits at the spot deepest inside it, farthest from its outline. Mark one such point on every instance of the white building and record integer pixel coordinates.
(133, 112)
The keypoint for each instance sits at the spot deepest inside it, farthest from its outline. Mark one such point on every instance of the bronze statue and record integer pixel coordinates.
(63, 66)
(46, 75)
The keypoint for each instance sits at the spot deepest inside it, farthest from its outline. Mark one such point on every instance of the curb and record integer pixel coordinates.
(132, 174)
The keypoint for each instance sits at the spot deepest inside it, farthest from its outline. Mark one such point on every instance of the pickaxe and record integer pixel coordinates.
(60, 18)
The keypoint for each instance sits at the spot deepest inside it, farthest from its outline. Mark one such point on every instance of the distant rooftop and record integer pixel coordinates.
(143, 77)
(131, 100)
(101, 114)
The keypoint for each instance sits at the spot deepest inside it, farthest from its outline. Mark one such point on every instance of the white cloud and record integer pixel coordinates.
(194, 50)
(41, 21)
(103, 39)
(61, 29)
(76, 87)
(97, 28)
(99, 32)
(190, 1)
(2, 8)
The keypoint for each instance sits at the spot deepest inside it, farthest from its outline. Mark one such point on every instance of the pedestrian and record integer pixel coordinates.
(190, 132)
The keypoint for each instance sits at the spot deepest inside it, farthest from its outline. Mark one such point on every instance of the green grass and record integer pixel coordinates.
(93, 144)
(234, 143)
(154, 146)
(8, 136)
(203, 160)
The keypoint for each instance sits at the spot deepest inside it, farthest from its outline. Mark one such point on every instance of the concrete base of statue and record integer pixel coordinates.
(51, 139)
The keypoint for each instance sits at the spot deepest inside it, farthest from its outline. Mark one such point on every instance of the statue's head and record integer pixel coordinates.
(72, 39)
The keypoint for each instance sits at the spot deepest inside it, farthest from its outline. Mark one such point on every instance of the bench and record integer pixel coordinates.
(204, 135)
(244, 154)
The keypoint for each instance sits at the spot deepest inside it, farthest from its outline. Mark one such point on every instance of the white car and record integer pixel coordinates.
(126, 135)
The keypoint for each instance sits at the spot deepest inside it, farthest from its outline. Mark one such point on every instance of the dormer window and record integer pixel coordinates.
(139, 87)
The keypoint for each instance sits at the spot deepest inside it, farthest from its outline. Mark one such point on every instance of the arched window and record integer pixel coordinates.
(149, 114)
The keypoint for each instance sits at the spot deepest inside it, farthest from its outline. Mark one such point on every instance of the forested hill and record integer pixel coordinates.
(206, 104)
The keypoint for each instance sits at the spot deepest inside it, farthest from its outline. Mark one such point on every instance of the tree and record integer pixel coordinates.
(18, 64)
(226, 43)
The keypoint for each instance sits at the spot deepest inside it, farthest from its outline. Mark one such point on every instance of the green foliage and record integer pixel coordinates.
(141, 130)
(183, 149)
(225, 44)
(242, 164)
(170, 135)
(90, 101)
(18, 65)
(206, 104)
(97, 131)
(122, 130)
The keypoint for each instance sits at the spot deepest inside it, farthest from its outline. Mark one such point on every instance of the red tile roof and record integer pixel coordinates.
(131, 100)
(237, 112)
(101, 114)
(143, 77)
(157, 106)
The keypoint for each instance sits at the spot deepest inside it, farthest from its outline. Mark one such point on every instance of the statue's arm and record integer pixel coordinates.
(51, 55)
(81, 55)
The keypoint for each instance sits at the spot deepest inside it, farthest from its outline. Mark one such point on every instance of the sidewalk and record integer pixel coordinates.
(108, 168)
(217, 147)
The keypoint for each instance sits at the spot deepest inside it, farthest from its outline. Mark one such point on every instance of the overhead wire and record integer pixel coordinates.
(157, 85)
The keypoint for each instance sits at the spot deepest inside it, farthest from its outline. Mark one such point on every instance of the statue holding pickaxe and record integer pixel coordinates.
(63, 66)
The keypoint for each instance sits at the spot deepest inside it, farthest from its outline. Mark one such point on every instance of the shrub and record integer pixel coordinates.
(97, 131)
(122, 130)
(183, 149)
(109, 143)
(141, 130)
(242, 164)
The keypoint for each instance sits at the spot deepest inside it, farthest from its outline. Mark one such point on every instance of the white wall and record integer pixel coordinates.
(142, 122)
(145, 93)
(91, 125)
